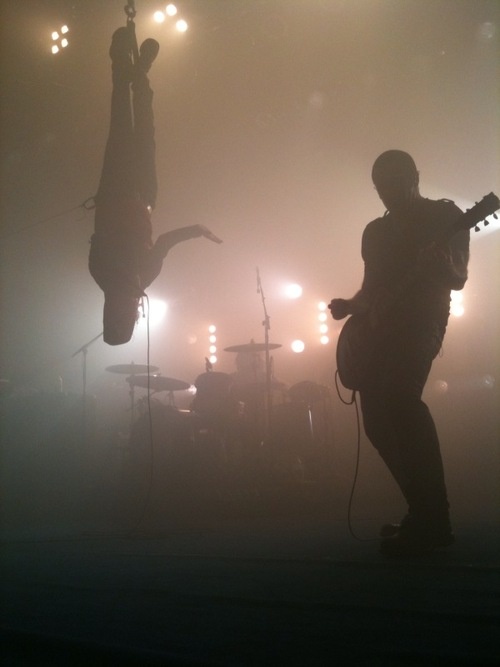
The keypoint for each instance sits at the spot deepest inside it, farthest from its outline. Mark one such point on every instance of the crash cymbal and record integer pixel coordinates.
(157, 383)
(131, 369)
(252, 347)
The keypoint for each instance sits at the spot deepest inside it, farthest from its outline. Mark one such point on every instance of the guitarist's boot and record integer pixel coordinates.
(415, 540)
(391, 529)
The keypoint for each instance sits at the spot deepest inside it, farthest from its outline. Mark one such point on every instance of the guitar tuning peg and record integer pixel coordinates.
(486, 222)
(476, 228)
(495, 216)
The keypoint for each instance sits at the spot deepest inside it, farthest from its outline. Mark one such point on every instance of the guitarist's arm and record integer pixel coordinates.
(341, 308)
(447, 263)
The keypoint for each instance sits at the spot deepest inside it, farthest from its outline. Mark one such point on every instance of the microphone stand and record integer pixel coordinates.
(267, 326)
(83, 349)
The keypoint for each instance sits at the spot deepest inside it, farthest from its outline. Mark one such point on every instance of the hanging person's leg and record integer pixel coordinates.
(121, 229)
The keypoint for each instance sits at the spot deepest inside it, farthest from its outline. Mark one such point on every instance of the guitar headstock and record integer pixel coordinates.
(488, 205)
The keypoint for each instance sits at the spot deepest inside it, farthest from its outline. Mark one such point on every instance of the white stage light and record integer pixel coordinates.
(59, 41)
(213, 359)
(322, 305)
(171, 10)
(156, 312)
(212, 328)
(456, 306)
(324, 340)
(298, 346)
(159, 17)
(181, 25)
(293, 291)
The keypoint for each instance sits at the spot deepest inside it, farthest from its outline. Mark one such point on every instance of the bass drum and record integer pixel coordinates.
(213, 401)
(167, 434)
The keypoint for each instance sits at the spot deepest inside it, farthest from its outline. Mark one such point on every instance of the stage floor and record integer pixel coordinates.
(242, 582)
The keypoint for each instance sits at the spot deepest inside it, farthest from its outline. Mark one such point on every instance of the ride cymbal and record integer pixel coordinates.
(158, 383)
(132, 369)
(252, 347)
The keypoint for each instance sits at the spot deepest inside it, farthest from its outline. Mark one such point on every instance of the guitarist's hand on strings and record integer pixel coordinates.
(339, 308)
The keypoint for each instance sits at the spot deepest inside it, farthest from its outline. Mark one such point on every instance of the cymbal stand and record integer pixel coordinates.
(84, 349)
(266, 323)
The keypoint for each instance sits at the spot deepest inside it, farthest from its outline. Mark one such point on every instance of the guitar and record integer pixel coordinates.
(357, 343)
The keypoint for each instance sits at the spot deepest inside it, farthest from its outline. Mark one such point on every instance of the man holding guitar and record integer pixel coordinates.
(413, 258)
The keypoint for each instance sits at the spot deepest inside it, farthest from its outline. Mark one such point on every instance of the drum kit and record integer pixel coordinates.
(225, 412)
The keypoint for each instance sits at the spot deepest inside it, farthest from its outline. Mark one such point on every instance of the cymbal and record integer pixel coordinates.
(252, 347)
(158, 383)
(131, 369)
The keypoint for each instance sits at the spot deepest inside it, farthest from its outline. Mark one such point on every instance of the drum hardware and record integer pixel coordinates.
(157, 383)
(132, 369)
(252, 347)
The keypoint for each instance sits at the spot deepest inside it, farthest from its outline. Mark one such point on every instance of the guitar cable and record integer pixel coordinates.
(353, 401)
(147, 497)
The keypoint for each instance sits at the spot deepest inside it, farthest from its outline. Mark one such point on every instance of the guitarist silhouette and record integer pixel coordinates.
(399, 319)
(123, 259)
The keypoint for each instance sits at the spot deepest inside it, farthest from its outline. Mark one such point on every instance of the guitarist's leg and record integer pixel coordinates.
(419, 446)
(379, 428)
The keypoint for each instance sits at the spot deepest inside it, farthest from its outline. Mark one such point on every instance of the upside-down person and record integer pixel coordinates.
(123, 259)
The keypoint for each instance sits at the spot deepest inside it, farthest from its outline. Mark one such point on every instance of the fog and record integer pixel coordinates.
(269, 115)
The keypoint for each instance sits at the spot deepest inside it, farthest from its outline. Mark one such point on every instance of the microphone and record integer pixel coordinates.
(258, 280)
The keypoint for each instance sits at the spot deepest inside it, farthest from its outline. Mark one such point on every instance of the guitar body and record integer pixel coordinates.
(359, 343)
(354, 351)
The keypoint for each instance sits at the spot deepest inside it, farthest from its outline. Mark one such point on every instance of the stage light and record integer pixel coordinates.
(322, 317)
(293, 291)
(323, 328)
(59, 42)
(322, 305)
(159, 17)
(456, 306)
(169, 12)
(155, 310)
(324, 340)
(298, 346)
(212, 339)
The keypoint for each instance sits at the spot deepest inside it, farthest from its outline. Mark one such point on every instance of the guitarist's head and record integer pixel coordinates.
(395, 177)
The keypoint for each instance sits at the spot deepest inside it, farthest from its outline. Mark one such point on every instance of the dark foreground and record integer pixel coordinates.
(266, 576)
